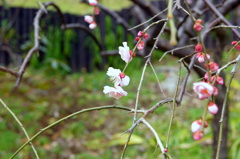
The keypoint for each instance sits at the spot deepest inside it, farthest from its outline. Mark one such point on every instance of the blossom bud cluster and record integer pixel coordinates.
(140, 36)
(236, 45)
(206, 88)
(198, 25)
(117, 76)
(196, 128)
(90, 19)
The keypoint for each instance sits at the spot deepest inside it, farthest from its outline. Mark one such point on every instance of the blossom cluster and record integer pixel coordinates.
(205, 89)
(236, 45)
(140, 36)
(90, 19)
(117, 76)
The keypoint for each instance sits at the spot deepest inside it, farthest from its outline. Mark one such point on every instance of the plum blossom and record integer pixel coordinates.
(124, 52)
(88, 19)
(93, 25)
(118, 77)
(116, 92)
(204, 90)
(212, 108)
(196, 129)
(92, 2)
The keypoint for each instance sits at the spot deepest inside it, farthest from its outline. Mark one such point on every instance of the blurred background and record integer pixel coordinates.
(68, 74)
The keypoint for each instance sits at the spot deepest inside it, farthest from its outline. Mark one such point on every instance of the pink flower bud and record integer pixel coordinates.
(140, 45)
(197, 27)
(220, 80)
(137, 38)
(197, 125)
(122, 75)
(215, 91)
(198, 135)
(202, 57)
(234, 42)
(140, 33)
(146, 36)
(165, 150)
(212, 108)
(237, 47)
(206, 76)
(198, 47)
(96, 10)
(213, 66)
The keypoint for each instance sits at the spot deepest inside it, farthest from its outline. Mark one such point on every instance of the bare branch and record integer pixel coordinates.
(7, 70)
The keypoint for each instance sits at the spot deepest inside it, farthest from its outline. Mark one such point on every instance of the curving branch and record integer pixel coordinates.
(35, 48)
(82, 27)
(66, 118)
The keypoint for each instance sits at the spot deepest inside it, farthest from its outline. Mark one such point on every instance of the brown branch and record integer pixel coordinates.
(7, 70)
(82, 27)
(182, 91)
(35, 48)
(219, 15)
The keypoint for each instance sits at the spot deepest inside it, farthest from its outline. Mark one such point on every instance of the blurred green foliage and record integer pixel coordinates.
(43, 99)
(55, 46)
(69, 6)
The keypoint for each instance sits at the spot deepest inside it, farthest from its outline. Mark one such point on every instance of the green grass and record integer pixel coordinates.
(70, 6)
(42, 99)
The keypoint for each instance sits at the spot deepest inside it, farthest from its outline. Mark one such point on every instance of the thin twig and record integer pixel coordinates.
(21, 125)
(178, 48)
(148, 19)
(126, 144)
(224, 107)
(85, 29)
(173, 106)
(160, 87)
(182, 91)
(144, 69)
